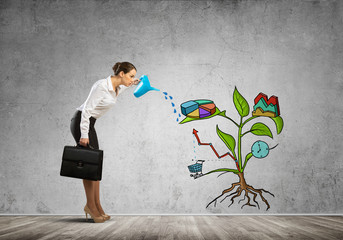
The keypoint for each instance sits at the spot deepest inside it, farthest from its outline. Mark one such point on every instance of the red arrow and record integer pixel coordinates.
(195, 132)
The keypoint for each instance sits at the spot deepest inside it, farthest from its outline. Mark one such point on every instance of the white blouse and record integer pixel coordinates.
(100, 99)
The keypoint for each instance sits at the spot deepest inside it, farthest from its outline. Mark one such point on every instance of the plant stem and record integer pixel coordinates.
(239, 144)
(240, 135)
(249, 119)
(245, 133)
(230, 120)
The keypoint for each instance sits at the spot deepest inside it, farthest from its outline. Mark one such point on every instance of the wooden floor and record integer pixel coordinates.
(172, 227)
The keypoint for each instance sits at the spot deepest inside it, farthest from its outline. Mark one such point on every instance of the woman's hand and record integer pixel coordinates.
(136, 81)
(84, 142)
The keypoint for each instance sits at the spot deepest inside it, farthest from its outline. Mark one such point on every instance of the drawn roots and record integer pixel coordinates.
(248, 190)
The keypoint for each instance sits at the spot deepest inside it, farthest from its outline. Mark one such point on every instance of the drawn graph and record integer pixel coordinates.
(195, 132)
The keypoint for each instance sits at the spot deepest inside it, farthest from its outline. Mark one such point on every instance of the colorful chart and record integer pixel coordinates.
(198, 108)
(266, 107)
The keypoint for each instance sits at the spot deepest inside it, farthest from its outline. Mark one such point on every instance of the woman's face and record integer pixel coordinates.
(128, 78)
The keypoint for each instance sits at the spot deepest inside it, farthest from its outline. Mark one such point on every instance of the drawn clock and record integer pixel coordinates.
(260, 149)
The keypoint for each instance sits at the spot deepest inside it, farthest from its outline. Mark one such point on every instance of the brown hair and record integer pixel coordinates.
(123, 66)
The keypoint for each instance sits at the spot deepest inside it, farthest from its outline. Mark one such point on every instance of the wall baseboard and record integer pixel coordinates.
(246, 214)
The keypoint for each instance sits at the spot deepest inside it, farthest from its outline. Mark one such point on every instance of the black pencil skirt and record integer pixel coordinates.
(76, 131)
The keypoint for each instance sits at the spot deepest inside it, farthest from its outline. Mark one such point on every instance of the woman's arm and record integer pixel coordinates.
(93, 99)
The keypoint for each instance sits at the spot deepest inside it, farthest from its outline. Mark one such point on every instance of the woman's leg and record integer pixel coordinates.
(97, 197)
(93, 141)
(90, 189)
(88, 184)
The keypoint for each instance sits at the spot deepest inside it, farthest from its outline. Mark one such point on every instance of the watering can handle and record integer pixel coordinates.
(144, 86)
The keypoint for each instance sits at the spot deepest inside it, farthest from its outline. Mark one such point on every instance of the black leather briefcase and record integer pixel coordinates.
(82, 162)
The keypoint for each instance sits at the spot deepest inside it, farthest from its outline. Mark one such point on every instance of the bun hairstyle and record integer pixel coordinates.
(123, 66)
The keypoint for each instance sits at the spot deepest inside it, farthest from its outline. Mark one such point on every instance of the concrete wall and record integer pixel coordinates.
(53, 51)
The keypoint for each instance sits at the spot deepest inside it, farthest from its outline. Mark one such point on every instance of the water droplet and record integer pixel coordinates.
(174, 110)
(170, 97)
(173, 104)
(179, 115)
(166, 98)
(165, 93)
(177, 119)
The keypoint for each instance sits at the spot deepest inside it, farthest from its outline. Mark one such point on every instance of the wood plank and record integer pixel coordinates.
(172, 227)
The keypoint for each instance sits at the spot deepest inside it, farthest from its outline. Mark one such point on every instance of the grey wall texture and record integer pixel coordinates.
(53, 51)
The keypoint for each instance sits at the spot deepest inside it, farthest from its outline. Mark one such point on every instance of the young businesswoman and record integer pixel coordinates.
(102, 97)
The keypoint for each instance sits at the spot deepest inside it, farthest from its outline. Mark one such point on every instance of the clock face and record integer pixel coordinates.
(260, 149)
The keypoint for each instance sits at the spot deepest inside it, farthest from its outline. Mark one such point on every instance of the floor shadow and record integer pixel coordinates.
(75, 220)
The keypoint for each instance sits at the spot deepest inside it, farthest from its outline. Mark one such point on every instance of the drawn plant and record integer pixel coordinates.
(235, 147)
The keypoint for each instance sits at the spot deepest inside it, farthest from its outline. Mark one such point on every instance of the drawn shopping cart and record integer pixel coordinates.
(196, 169)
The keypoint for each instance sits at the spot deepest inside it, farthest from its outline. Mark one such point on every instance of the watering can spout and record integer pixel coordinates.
(155, 89)
(143, 87)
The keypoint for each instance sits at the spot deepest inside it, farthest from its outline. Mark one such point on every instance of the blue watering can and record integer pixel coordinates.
(143, 87)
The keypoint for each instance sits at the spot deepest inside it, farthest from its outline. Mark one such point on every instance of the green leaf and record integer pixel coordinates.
(223, 170)
(279, 124)
(188, 119)
(241, 104)
(247, 157)
(261, 129)
(227, 139)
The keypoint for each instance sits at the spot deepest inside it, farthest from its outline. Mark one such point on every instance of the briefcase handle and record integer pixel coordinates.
(88, 146)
